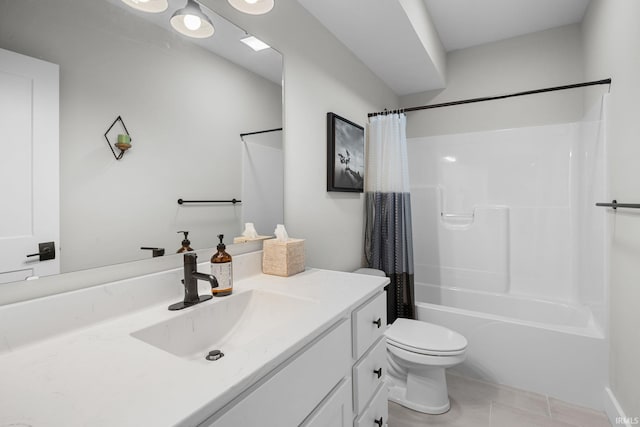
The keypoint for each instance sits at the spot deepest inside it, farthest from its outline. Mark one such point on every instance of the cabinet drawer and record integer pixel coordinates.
(368, 374)
(369, 323)
(377, 413)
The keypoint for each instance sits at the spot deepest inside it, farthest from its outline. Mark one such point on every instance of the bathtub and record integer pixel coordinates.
(542, 346)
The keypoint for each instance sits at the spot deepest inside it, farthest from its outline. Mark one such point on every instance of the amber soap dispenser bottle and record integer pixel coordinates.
(222, 268)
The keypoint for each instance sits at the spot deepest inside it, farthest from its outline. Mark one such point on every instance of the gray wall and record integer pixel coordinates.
(611, 32)
(547, 58)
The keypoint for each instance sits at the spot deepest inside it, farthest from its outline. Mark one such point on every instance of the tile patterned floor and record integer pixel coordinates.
(477, 403)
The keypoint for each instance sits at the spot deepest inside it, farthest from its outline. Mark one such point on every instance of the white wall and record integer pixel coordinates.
(320, 75)
(178, 101)
(548, 58)
(611, 31)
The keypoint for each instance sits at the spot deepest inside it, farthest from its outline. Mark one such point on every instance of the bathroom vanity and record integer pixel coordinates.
(308, 349)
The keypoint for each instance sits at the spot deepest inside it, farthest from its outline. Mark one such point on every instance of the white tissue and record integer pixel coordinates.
(281, 233)
(249, 231)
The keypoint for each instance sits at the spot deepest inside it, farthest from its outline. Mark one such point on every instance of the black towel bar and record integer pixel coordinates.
(615, 205)
(232, 201)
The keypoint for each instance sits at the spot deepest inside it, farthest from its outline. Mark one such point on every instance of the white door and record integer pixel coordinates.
(29, 165)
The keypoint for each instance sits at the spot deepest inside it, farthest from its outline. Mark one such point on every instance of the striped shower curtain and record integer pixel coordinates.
(388, 242)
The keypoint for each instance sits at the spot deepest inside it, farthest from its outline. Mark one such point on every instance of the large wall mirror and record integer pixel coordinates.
(185, 102)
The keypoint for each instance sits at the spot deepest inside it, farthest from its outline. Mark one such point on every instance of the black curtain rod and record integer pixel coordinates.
(260, 131)
(492, 98)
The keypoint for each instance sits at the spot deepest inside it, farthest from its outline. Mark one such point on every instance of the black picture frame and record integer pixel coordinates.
(345, 155)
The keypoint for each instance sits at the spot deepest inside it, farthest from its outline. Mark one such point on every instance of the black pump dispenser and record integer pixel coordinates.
(186, 244)
(221, 246)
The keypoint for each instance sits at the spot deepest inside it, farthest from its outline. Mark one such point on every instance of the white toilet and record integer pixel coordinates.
(417, 355)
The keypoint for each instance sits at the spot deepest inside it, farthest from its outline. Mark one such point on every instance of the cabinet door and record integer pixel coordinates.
(335, 410)
(291, 394)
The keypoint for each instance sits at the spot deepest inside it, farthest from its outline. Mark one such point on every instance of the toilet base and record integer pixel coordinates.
(419, 386)
(399, 395)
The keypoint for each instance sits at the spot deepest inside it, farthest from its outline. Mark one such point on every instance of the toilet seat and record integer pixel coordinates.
(420, 362)
(425, 338)
(425, 352)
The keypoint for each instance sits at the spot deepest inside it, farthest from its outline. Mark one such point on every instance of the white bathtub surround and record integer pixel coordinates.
(524, 310)
(522, 198)
(591, 230)
(70, 359)
(510, 251)
(388, 235)
(447, 247)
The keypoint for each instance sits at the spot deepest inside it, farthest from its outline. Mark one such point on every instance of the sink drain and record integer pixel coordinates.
(214, 355)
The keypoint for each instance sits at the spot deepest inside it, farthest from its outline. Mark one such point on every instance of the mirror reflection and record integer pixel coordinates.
(184, 103)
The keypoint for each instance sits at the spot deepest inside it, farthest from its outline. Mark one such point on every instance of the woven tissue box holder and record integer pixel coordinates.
(283, 258)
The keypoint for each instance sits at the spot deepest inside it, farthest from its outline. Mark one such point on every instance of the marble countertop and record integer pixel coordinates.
(99, 375)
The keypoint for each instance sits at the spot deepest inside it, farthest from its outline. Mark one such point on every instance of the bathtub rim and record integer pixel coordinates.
(592, 330)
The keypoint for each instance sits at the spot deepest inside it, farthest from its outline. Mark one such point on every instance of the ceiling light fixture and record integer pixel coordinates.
(255, 43)
(191, 21)
(252, 7)
(152, 6)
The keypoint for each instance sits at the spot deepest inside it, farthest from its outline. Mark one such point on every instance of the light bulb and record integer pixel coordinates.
(192, 22)
(252, 7)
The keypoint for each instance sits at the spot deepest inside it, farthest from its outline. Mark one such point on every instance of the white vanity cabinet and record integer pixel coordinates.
(336, 381)
(369, 322)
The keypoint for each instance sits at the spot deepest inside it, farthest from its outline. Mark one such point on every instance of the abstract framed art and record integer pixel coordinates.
(345, 155)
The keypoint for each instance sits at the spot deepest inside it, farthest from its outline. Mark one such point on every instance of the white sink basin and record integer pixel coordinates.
(229, 324)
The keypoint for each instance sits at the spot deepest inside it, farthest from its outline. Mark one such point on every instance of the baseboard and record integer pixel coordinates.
(615, 413)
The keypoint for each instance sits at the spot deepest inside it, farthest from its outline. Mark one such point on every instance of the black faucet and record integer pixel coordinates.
(190, 282)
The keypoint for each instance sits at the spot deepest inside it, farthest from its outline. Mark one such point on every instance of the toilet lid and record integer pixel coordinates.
(424, 338)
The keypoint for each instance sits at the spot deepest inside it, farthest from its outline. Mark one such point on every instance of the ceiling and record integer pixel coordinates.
(225, 41)
(405, 42)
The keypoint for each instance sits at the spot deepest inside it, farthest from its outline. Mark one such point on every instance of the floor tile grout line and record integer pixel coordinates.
(490, 413)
